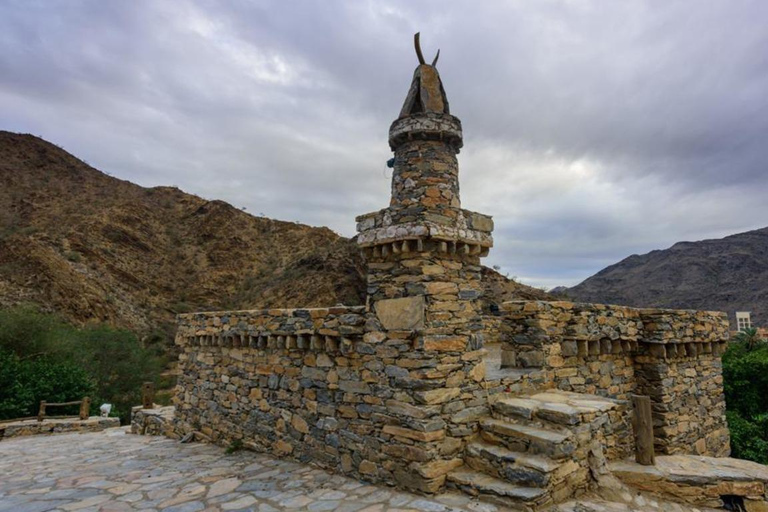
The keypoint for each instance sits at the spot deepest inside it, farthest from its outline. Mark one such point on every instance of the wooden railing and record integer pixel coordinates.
(85, 406)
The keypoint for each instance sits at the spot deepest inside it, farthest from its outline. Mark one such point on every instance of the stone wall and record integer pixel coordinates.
(55, 426)
(679, 367)
(671, 355)
(687, 400)
(312, 385)
(585, 348)
(378, 395)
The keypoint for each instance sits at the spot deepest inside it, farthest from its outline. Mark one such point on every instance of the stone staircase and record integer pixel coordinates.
(535, 450)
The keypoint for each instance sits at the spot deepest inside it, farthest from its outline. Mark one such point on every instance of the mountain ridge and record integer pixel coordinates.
(724, 274)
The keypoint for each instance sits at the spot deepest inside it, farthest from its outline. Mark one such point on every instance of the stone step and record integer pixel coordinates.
(526, 438)
(504, 455)
(480, 484)
(514, 467)
(529, 409)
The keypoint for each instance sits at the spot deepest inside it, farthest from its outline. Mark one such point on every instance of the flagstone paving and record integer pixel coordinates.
(112, 471)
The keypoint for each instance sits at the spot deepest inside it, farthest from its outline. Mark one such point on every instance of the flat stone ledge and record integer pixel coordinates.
(56, 426)
(696, 479)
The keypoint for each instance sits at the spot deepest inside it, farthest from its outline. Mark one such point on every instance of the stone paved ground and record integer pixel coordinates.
(112, 471)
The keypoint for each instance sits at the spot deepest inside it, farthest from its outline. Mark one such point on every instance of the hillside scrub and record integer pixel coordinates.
(745, 376)
(44, 358)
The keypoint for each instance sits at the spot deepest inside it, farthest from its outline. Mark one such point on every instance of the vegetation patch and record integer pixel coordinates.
(745, 375)
(44, 358)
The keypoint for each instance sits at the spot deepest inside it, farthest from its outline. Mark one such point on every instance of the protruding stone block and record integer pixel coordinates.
(406, 313)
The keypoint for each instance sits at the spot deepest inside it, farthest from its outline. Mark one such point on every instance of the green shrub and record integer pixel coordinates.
(15, 400)
(118, 363)
(745, 380)
(28, 333)
(749, 439)
(24, 383)
(43, 358)
(73, 256)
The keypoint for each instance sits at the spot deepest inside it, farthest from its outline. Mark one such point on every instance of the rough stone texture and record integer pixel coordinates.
(699, 480)
(406, 313)
(158, 421)
(55, 426)
(687, 401)
(672, 356)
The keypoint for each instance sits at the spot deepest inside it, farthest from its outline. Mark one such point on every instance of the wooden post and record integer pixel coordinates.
(41, 412)
(642, 424)
(85, 408)
(148, 395)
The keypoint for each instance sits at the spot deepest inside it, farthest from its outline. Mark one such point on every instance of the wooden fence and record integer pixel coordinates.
(85, 406)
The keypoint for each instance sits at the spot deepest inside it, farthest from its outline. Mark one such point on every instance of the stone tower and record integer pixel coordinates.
(424, 248)
(423, 255)
(396, 391)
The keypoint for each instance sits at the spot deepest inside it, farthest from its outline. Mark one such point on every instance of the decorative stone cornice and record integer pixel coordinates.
(427, 126)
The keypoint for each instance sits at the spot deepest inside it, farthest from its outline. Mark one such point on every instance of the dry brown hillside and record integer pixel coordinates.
(93, 247)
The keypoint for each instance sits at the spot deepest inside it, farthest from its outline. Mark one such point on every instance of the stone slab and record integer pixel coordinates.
(403, 314)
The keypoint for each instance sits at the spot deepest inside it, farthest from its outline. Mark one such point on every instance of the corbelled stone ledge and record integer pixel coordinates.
(327, 329)
(427, 126)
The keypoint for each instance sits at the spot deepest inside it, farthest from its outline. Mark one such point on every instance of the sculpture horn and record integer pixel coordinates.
(434, 62)
(418, 48)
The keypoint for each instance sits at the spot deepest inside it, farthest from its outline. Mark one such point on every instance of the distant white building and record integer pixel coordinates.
(743, 320)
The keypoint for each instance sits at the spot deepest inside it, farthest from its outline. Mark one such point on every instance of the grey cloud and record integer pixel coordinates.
(594, 129)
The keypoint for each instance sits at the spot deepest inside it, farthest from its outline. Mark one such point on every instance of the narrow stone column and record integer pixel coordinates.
(423, 255)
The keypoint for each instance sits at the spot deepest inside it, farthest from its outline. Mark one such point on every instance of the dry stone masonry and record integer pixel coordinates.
(420, 388)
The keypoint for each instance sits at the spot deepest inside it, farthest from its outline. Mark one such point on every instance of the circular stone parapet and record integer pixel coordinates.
(427, 126)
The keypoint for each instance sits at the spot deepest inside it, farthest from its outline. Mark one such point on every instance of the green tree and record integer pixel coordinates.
(28, 333)
(745, 381)
(749, 337)
(118, 363)
(24, 383)
(15, 400)
(43, 358)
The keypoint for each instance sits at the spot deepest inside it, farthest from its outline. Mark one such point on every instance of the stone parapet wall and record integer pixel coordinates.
(684, 326)
(688, 405)
(584, 348)
(327, 329)
(672, 356)
(296, 387)
(333, 386)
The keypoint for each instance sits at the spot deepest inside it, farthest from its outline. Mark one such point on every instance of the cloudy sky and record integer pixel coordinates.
(593, 129)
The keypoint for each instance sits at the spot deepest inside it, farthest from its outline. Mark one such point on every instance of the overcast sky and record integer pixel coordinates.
(593, 129)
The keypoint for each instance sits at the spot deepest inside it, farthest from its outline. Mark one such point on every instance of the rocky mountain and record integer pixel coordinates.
(96, 248)
(728, 274)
